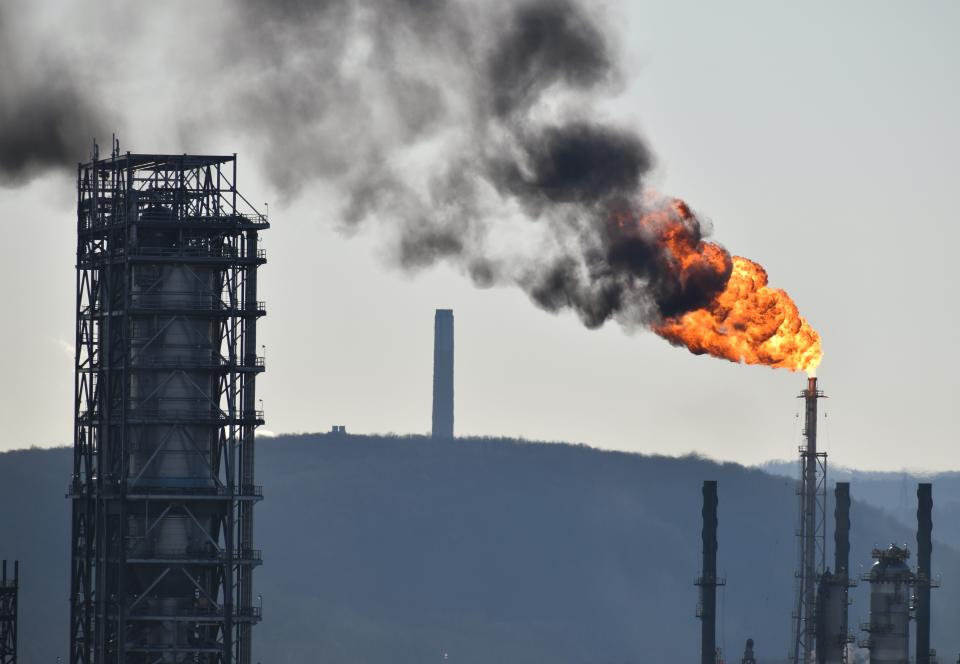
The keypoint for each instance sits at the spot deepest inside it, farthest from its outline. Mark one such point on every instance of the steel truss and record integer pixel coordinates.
(9, 591)
(165, 412)
(811, 532)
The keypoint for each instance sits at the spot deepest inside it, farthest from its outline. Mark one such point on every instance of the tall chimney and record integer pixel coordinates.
(443, 374)
(708, 581)
(922, 583)
(841, 534)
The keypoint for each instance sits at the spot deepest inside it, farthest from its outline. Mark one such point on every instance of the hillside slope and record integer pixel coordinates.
(402, 550)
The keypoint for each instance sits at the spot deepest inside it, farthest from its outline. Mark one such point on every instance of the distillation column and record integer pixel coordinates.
(163, 479)
(889, 626)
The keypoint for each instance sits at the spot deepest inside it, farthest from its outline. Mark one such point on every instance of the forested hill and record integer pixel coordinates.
(386, 550)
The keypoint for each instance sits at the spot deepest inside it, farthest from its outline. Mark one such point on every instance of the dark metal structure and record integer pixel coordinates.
(889, 626)
(833, 603)
(923, 580)
(443, 374)
(9, 595)
(708, 580)
(748, 657)
(166, 364)
(811, 533)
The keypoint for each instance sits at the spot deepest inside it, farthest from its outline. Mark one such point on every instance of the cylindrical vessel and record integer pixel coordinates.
(831, 619)
(890, 589)
(172, 433)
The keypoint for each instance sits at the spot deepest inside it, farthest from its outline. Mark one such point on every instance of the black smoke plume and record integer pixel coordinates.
(468, 132)
(48, 120)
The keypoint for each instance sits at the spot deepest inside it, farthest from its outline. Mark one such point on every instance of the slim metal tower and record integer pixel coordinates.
(923, 581)
(9, 592)
(811, 533)
(443, 374)
(166, 365)
(708, 580)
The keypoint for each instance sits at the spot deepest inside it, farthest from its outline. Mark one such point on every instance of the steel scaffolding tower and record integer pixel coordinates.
(166, 365)
(811, 533)
(9, 591)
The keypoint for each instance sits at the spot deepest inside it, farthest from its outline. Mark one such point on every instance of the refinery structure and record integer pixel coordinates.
(163, 487)
(898, 594)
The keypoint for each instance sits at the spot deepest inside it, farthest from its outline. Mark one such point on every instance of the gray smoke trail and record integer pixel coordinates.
(466, 130)
(472, 86)
(47, 120)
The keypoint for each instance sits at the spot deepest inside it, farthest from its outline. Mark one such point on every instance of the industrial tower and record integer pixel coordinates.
(443, 374)
(923, 580)
(833, 635)
(811, 533)
(166, 365)
(9, 591)
(708, 581)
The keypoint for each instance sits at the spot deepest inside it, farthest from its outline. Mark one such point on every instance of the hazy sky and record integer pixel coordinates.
(820, 139)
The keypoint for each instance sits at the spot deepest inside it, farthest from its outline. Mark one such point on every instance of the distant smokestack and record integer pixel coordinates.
(708, 581)
(841, 534)
(443, 374)
(924, 549)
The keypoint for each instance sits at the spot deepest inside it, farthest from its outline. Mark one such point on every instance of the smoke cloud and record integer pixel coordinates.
(47, 120)
(468, 133)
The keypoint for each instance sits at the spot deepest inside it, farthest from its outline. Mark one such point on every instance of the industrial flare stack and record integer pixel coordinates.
(9, 603)
(166, 365)
(811, 531)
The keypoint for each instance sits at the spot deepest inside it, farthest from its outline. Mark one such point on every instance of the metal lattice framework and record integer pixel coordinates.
(811, 532)
(165, 411)
(9, 591)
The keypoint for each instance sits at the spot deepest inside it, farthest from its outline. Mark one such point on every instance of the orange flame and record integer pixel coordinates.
(747, 321)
